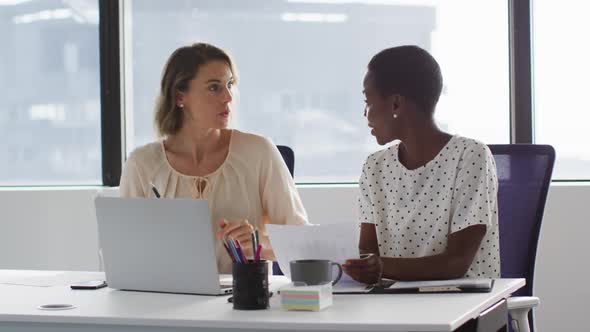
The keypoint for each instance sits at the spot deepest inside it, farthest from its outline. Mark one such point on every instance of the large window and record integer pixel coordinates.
(561, 72)
(301, 64)
(50, 92)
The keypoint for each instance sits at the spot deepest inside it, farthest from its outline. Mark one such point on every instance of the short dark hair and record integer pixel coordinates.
(409, 71)
(182, 66)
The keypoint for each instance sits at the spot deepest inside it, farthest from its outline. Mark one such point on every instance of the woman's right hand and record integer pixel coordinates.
(238, 230)
(367, 269)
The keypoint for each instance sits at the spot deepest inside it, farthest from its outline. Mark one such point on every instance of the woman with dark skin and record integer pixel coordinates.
(428, 205)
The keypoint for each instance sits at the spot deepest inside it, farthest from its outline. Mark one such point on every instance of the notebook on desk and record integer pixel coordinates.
(463, 285)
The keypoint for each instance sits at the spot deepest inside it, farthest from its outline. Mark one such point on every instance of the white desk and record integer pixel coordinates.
(113, 310)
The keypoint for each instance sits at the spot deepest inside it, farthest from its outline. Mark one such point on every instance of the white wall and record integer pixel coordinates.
(563, 269)
(55, 229)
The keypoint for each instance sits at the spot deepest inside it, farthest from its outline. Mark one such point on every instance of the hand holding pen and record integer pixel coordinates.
(240, 250)
(240, 231)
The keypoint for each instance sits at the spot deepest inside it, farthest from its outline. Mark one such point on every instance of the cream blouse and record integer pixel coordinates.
(252, 183)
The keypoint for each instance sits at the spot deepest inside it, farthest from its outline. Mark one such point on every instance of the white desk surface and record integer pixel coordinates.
(386, 312)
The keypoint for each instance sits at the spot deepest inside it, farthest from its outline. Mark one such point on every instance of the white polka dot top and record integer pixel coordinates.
(415, 210)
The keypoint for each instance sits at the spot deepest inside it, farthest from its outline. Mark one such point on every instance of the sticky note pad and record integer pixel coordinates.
(306, 298)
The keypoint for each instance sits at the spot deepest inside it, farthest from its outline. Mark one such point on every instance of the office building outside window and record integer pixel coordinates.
(49, 93)
(301, 64)
(561, 72)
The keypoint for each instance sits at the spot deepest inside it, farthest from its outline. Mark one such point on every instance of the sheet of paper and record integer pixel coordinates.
(44, 278)
(335, 242)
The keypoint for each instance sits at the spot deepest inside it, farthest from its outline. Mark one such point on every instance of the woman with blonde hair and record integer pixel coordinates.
(242, 175)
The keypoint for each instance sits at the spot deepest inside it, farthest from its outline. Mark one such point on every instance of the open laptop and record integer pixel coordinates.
(158, 245)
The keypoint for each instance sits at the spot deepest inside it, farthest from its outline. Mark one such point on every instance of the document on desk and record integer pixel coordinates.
(335, 242)
(462, 284)
(44, 278)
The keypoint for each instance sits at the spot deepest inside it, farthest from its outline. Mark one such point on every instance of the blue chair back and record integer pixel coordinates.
(289, 158)
(524, 175)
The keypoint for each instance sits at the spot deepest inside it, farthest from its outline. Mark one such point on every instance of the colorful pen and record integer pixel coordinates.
(257, 255)
(232, 246)
(229, 252)
(241, 252)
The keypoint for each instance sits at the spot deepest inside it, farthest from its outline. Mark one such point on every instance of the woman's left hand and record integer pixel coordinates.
(367, 269)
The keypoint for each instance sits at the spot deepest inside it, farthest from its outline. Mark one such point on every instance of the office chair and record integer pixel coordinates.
(289, 158)
(524, 175)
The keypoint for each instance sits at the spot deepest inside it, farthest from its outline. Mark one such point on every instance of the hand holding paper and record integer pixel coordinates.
(366, 269)
(334, 242)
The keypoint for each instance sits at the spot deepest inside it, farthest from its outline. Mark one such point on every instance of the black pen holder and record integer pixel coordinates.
(250, 285)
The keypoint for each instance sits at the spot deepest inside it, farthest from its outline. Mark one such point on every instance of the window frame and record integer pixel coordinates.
(111, 112)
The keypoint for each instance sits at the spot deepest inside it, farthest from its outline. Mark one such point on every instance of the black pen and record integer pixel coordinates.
(155, 190)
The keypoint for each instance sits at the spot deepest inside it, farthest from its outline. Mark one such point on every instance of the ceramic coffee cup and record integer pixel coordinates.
(314, 271)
